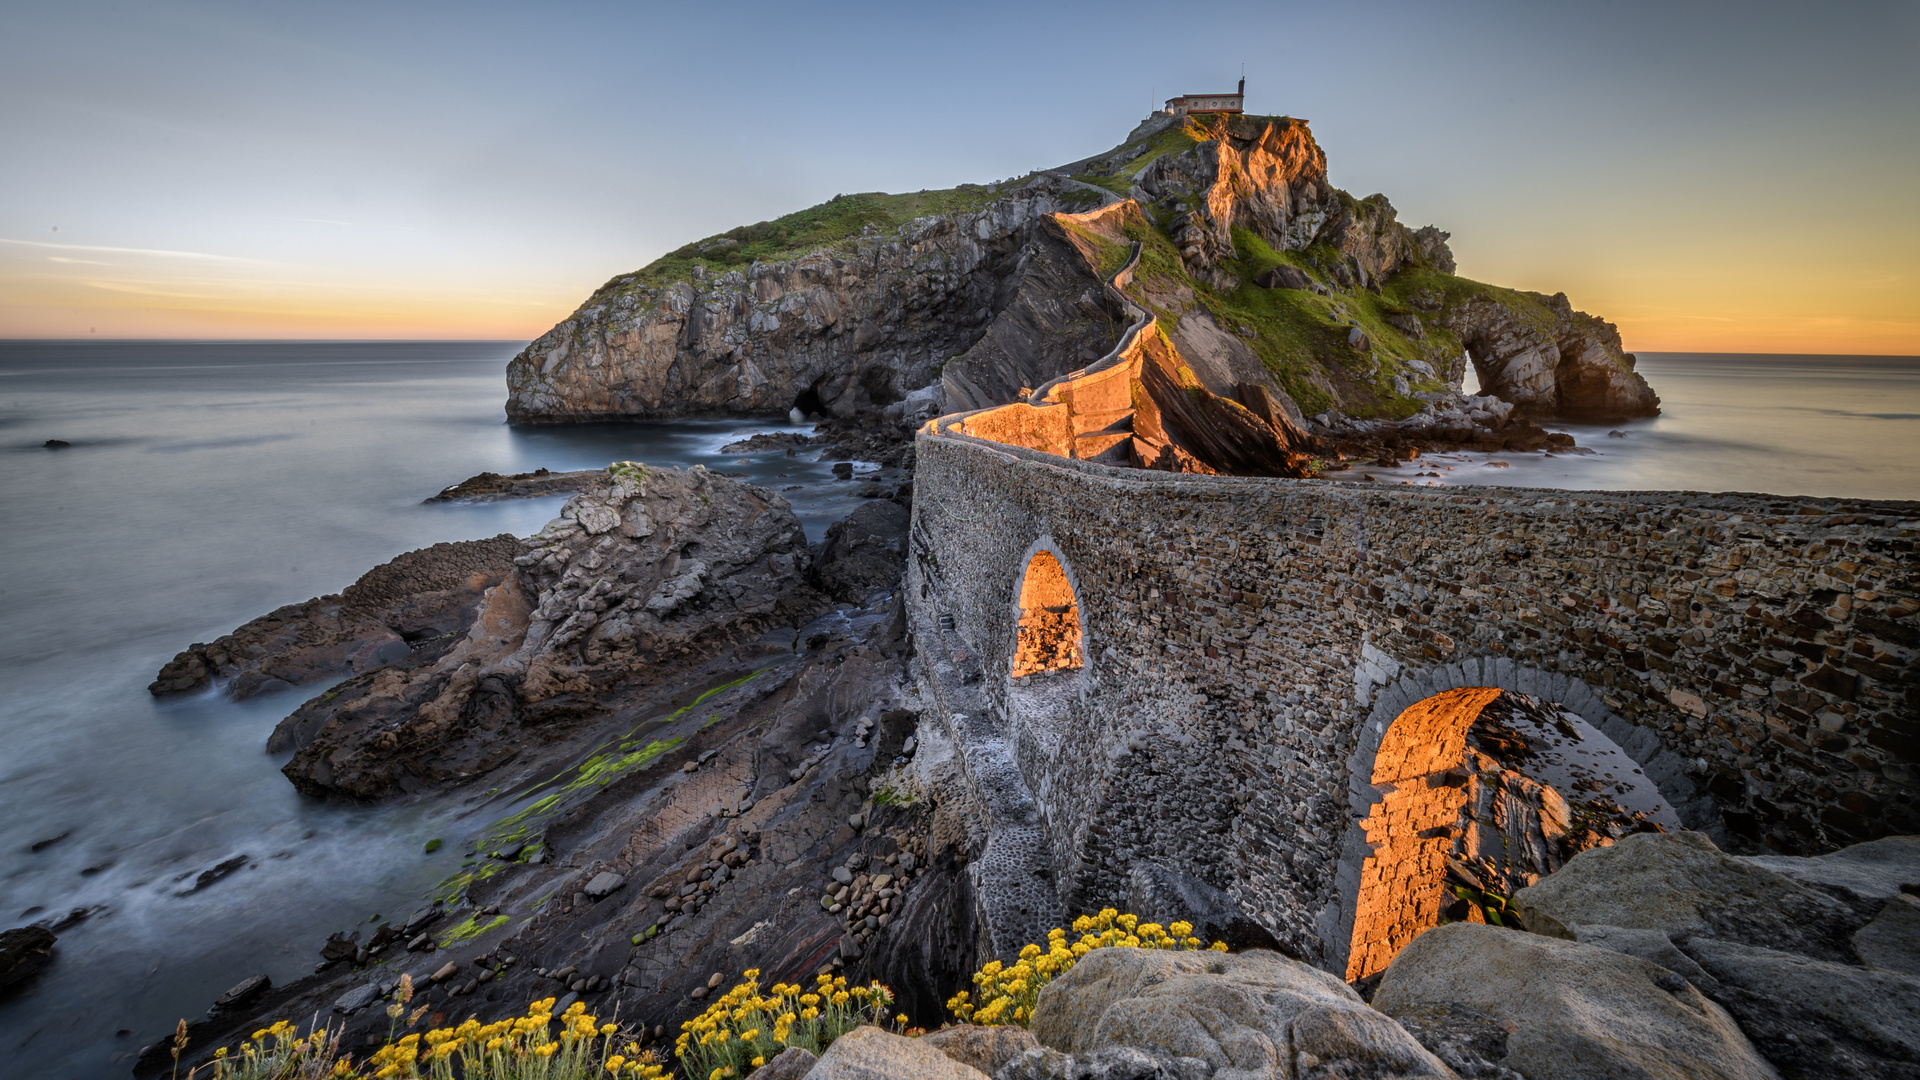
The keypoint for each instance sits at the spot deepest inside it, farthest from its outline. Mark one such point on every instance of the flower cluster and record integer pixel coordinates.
(522, 1048)
(744, 1028)
(281, 1051)
(1008, 993)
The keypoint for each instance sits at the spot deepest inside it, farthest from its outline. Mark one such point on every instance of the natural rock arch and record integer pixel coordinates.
(1049, 629)
(1415, 730)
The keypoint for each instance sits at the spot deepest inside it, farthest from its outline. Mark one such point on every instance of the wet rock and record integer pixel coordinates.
(23, 951)
(863, 551)
(240, 996)
(1681, 885)
(988, 1049)
(1247, 1011)
(493, 487)
(56, 444)
(867, 1053)
(1571, 1010)
(659, 560)
(216, 873)
(418, 596)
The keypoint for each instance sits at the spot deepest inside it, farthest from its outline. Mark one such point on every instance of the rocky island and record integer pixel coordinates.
(1186, 762)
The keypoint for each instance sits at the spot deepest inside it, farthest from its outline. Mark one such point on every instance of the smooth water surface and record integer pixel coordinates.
(1784, 425)
(207, 484)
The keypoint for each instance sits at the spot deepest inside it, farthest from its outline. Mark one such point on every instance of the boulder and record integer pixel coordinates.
(1571, 1011)
(867, 1053)
(1891, 941)
(1815, 1018)
(1468, 1041)
(1681, 885)
(1251, 1014)
(864, 551)
(1875, 870)
(245, 993)
(985, 1048)
(23, 951)
(1283, 277)
(1112, 1063)
(642, 561)
(790, 1064)
(604, 884)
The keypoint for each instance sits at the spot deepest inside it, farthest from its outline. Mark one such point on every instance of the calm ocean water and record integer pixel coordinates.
(210, 483)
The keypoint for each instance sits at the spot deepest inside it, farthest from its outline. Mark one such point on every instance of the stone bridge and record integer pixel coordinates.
(1256, 661)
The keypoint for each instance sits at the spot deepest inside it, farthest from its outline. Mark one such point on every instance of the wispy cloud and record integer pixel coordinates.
(79, 262)
(160, 252)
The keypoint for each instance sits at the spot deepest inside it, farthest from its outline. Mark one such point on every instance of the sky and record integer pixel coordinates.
(1734, 177)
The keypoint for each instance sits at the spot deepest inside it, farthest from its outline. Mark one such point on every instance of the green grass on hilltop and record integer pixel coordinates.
(837, 221)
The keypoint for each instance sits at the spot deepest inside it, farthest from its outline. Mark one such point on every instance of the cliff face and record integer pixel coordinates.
(1262, 272)
(833, 331)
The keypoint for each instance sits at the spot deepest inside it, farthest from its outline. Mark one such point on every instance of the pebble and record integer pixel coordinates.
(446, 971)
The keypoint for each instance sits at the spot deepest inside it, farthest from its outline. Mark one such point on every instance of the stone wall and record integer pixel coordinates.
(1249, 641)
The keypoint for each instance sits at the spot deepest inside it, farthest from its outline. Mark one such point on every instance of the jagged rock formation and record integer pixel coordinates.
(1266, 274)
(1545, 358)
(419, 597)
(640, 569)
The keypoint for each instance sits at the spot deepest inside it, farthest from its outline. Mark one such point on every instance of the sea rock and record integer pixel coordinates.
(1546, 358)
(1815, 1018)
(420, 596)
(863, 551)
(493, 487)
(644, 564)
(245, 993)
(23, 951)
(1571, 1011)
(1682, 885)
(867, 1053)
(985, 1048)
(1256, 1013)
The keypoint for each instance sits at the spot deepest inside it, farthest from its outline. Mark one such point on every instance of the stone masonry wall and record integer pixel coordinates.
(1248, 642)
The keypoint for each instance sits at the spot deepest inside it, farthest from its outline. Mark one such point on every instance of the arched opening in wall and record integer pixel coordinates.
(1048, 638)
(1487, 791)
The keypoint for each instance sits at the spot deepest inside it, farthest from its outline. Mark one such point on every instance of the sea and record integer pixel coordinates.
(204, 484)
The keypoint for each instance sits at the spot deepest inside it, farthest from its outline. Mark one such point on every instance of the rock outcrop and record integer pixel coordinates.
(1569, 1011)
(1780, 951)
(419, 597)
(985, 299)
(1252, 1014)
(1544, 357)
(638, 570)
(24, 950)
(851, 326)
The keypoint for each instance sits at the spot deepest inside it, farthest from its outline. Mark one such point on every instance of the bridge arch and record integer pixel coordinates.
(1050, 628)
(1390, 876)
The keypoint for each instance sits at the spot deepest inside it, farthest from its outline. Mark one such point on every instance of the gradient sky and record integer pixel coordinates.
(1725, 176)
